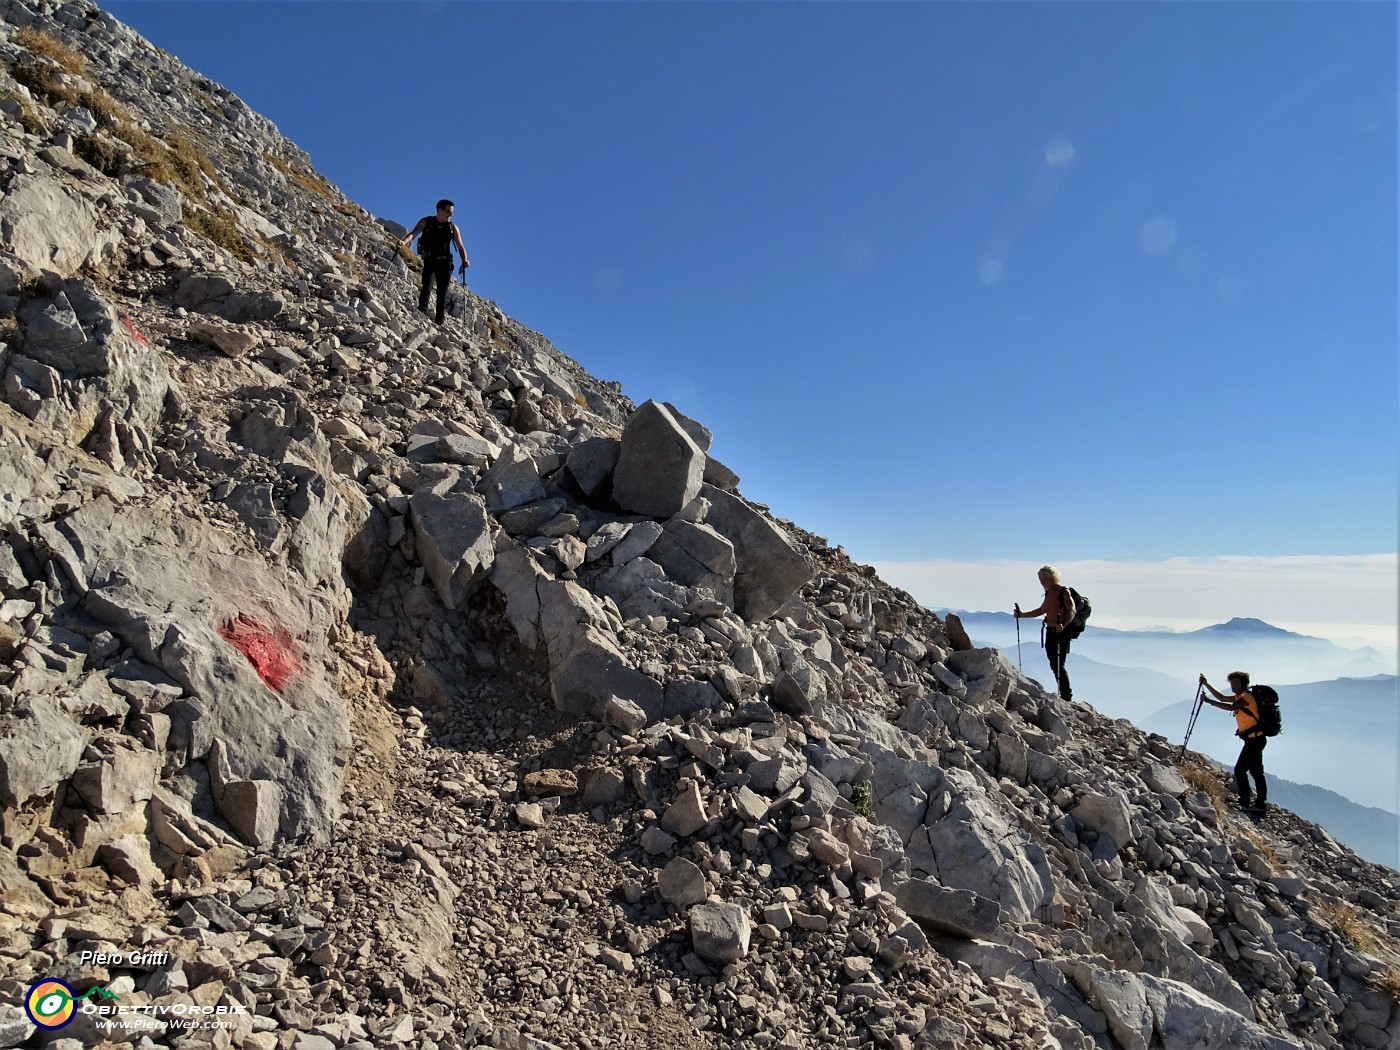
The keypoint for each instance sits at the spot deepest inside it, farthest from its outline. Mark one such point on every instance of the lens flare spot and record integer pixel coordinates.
(992, 272)
(1059, 152)
(1158, 236)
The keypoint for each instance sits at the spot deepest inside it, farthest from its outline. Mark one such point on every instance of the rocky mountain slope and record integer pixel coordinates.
(370, 684)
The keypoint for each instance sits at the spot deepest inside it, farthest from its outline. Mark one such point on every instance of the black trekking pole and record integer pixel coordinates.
(1018, 635)
(1191, 725)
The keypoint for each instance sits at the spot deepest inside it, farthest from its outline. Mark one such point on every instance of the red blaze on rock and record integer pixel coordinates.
(131, 327)
(269, 650)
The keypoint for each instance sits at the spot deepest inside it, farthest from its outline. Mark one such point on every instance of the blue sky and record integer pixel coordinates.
(952, 283)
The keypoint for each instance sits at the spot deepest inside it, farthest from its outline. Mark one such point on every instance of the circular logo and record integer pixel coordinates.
(49, 1003)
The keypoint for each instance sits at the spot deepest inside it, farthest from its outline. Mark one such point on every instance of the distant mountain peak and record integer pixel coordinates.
(1246, 625)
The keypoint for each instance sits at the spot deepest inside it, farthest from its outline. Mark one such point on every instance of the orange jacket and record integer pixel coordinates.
(1246, 713)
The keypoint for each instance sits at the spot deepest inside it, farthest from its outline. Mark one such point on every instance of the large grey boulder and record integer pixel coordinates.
(171, 589)
(513, 480)
(591, 463)
(77, 364)
(959, 912)
(215, 293)
(40, 746)
(967, 843)
(720, 932)
(454, 541)
(23, 475)
(660, 468)
(696, 556)
(769, 567)
(1185, 1017)
(517, 573)
(128, 775)
(1107, 815)
(49, 227)
(1120, 997)
(587, 668)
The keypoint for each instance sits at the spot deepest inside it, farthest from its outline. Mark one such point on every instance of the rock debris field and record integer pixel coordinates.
(369, 683)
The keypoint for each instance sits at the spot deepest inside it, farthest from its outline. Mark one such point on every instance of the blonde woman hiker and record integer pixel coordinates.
(1058, 607)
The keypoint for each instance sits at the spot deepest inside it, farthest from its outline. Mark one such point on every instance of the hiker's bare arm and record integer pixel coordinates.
(457, 236)
(414, 232)
(1040, 611)
(1228, 704)
(1068, 609)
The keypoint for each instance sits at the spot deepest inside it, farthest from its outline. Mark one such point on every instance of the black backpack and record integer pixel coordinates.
(1266, 701)
(435, 242)
(1082, 611)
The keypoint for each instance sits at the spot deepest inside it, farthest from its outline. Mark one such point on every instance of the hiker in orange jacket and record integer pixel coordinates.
(1248, 728)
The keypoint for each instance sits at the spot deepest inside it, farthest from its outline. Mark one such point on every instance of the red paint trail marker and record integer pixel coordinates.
(270, 650)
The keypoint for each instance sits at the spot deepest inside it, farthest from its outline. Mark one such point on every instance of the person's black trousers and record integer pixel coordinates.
(1057, 650)
(441, 271)
(1251, 764)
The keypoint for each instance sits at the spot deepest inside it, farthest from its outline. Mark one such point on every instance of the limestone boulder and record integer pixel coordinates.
(682, 883)
(591, 463)
(587, 669)
(966, 842)
(720, 932)
(40, 747)
(126, 776)
(50, 227)
(1163, 779)
(513, 480)
(659, 468)
(246, 644)
(696, 556)
(77, 364)
(1107, 815)
(1121, 998)
(454, 541)
(1183, 1016)
(959, 912)
(769, 566)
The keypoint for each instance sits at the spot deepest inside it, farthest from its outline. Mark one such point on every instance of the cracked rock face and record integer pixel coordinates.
(388, 684)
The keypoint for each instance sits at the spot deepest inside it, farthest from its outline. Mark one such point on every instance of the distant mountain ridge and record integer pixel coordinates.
(1269, 652)
(1248, 624)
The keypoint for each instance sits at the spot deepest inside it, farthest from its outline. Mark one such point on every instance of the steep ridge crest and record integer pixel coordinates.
(390, 685)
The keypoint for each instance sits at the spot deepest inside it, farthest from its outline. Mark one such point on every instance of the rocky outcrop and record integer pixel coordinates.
(406, 686)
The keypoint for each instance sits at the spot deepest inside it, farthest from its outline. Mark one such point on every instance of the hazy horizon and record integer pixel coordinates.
(1349, 601)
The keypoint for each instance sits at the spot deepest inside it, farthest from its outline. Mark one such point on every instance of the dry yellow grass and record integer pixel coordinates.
(1388, 982)
(39, 43)
(306, 179)
(220, 229)
(1205, 779)
(1351, 926)
(29, 118)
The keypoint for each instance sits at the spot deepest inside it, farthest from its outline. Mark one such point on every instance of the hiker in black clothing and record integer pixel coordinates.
(1058, 608)
(1248, 729)
(439, 234)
